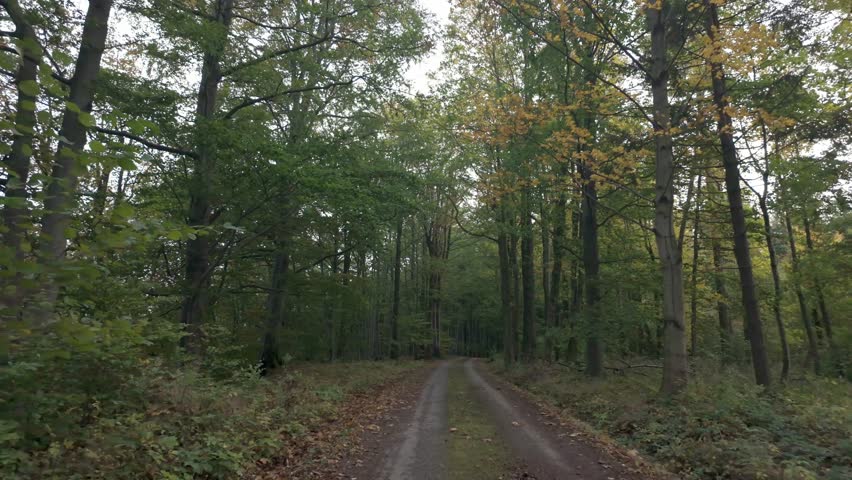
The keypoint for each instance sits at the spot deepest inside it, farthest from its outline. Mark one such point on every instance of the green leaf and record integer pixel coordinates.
(126, 163)
(28, 105)
(136, 127)
(123, 210)
(62, 57)
(29, 87)
(97, 147)
(86, 119)
(72, 107)
(168, 441)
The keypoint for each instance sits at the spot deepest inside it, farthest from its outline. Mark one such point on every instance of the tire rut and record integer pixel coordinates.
(544, 450)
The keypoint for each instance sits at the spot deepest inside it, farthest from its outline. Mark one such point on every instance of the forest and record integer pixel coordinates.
(234, 236)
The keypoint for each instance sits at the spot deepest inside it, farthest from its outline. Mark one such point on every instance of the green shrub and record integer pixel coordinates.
(724, 427)
(114, 400)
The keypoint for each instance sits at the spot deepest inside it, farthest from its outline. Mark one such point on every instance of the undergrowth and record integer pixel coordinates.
(105, 403)
(724, 427)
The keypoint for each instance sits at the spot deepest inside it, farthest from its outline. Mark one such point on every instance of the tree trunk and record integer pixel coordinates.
(61, 191)
(813, 347)
(823, 308)
(397, 270)
(776, 283)
(693, 302)
(675, 370)
(591, 269)
(754, 325)
(516, 290)
(576, 275)
(546, 272)
(773, 260)
(506, 304)
(197, 275)
(554, 311)
(17, 163)
(270, 357)
(528, 274)
(438, 244)
(726, 328)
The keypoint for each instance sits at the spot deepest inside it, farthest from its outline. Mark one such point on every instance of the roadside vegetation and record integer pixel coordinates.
(720, 428)
(110, 411)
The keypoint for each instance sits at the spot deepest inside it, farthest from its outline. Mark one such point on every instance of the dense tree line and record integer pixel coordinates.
(583, 118)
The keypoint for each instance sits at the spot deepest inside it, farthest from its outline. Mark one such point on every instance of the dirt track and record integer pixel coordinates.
(413, 442)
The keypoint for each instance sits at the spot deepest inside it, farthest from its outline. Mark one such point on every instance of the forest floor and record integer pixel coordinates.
(461, 422)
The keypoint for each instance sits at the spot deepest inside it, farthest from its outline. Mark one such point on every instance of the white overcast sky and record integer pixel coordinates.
(418, 73)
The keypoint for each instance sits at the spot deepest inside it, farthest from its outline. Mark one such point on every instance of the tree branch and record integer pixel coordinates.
(146, 142)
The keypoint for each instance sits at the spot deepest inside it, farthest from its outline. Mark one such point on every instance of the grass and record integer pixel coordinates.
(475, 451)
(724, 427)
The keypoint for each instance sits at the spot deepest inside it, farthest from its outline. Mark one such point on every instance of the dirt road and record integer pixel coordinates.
(418, 443)
(419, 452)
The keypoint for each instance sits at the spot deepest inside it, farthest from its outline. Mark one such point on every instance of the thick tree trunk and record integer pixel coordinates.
(813, 347)
(17, 163)
(61, 191)
(754, 325)
(397, 270)
(591, 269)
(528, 274)
(438, 244)
(197, 274)
(674, 332)
(270, 357)
(506, 296)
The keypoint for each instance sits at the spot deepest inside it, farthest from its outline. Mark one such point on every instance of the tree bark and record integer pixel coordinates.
(693, 302)
(60, 199)
(553, 311)
(528, 274)
(506, 304)
(438, 244)
(813, 347)
(823, 308)
(726, 328)
(773, 263)
(270, 357)
(675, 372)
(517, 301)
(397, 270)
(17, 163)
(754, 325)
(591, 269)
(197, 274)
(546, 269)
